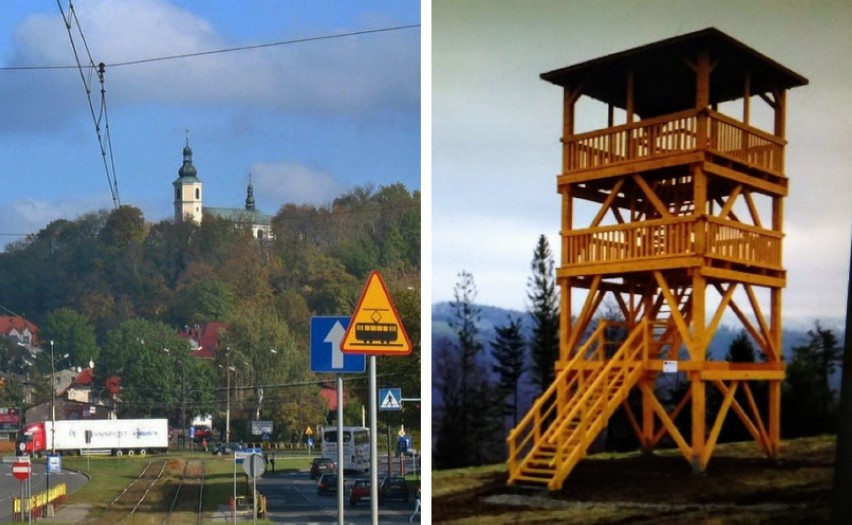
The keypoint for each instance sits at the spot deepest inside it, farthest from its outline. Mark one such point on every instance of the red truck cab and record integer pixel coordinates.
(32, 439)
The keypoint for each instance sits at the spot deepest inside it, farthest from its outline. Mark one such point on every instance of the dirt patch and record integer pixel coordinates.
(739, 487)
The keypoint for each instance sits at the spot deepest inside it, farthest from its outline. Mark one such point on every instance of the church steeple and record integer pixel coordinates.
(187, 170)
(250, 196)
(188, 202)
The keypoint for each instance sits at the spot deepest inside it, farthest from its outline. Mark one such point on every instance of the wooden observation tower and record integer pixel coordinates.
(672, 215)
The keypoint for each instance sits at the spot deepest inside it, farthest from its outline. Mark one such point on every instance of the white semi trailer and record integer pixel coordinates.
(95, 436)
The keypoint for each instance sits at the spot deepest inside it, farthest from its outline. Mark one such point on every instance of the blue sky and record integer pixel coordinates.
(496, 127)
(308, 121)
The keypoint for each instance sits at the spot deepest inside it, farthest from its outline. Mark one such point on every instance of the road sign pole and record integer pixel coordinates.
(340, 459)
(374, 449)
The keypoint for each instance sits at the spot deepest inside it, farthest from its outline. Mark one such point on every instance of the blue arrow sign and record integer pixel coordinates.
(326, 335)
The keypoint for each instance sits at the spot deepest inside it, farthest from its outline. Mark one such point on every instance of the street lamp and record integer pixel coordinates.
(182, 395)
(53, 396)
(52, 417)
(228, 371)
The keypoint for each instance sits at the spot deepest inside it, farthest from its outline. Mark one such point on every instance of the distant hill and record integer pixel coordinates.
(492, 316)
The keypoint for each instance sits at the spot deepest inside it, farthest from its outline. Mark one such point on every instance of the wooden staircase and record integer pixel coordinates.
(564, 421)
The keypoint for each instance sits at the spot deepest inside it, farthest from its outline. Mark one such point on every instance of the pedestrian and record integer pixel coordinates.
(416, 508)
(204, 444)
(272, 462)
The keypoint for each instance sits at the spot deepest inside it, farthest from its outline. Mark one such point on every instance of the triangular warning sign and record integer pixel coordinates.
(376, 327)
(390, 401)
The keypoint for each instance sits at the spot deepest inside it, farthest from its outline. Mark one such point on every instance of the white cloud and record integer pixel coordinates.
(290, 182)
(28, 216)
(357, 76)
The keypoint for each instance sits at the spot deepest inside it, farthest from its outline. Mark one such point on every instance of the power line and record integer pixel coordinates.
(224, 50)
(103, 115)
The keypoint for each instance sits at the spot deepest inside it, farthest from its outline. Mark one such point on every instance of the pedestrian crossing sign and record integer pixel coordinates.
(390, 399)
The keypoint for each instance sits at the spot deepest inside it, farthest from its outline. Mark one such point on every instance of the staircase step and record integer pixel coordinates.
(539, 471)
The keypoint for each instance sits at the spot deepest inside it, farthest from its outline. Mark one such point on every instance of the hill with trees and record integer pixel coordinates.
(115, 289)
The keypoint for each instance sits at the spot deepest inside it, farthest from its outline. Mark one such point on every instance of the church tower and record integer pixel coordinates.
(188, 189)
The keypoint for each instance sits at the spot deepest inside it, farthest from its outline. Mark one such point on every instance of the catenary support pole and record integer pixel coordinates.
(374, 449)
(340, 459)
(841, 503)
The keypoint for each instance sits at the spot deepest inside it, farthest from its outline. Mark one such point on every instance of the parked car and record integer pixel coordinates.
(360, 490)
(320, 466)
(393, 487)
(226, 448)
(327, 484)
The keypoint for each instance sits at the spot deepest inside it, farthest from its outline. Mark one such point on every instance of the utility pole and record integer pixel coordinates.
(841, 503)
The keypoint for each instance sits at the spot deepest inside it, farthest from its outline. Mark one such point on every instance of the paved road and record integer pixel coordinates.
(292, 499)
(11, 486)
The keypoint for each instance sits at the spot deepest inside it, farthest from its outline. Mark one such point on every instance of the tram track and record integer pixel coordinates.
(186, 504)
(131, 499)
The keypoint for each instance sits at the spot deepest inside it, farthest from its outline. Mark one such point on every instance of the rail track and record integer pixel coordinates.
(133, 496)
(186, 504)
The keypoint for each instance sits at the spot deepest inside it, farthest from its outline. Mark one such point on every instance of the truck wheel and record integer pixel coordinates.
(143, 452)
(131, 452)
(119, 452)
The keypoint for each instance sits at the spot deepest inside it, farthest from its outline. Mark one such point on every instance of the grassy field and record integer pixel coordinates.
(108, 477)
(740, 486)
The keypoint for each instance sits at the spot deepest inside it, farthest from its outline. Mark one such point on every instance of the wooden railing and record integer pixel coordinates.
(741, 243)
(727, 240)
(674, 133)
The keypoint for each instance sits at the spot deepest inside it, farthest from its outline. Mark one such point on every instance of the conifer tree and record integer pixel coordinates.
(544, 309)
(509, 351)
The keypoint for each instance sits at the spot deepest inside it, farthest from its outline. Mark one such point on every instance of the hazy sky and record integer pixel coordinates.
(496, 128)
(308, 121)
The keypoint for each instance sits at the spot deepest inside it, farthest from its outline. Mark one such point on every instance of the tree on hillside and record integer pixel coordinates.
(470, 426)
(72, 334)
(156, 382)
(544, 309)
(465, 317)
(808, 402)
(509, 350)
(264, 351)
(741, 349)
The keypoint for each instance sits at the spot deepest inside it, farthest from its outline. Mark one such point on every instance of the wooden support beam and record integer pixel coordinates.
(717, 424)
(608, 203)
(652, 196)
(752, 209)
(678, 319)
(728, 205)
(667, 423)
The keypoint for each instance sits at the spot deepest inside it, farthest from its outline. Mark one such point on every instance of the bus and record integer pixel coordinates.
(356, 447)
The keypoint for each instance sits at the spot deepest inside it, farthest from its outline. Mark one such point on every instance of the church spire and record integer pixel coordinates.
(187, 170)
(250, 196)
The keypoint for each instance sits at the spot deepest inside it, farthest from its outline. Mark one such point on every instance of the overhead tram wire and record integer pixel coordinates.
(142, 61)
(102, 114)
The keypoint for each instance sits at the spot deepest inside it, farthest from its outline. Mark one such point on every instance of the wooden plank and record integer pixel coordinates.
(742, 375)
(770, 188)
(744, 277)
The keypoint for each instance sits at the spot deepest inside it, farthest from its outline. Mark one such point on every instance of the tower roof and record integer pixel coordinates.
(187, 172)
(250, 196)
(664, 82)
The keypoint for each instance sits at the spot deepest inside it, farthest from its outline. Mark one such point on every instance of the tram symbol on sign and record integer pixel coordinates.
(376, 331)
(376, 327)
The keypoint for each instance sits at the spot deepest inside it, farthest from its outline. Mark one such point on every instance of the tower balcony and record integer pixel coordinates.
(677, 242)
(668, 140)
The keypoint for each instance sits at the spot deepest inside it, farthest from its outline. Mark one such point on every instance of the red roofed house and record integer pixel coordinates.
(15, 326)
(204, 339)
(77, 399)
